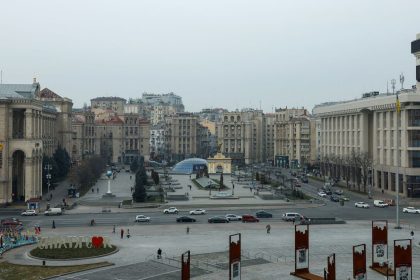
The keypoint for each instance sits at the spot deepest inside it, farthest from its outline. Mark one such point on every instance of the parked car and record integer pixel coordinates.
(142, 218)
(338, 192)
(198, 212)
(249, 219)
(290, 216)
(218, 219)
(379, 203)
(328, 192)
(411, 210)
(29, 213)
(263, 214)
(170, 210)
(185, 219)
(322, 194)
(361, 204)
(345, 198)
(233, 217)
(334, 198)
(11, 222)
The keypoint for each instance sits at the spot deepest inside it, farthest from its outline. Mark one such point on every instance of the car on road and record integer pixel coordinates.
(290, 216)
(10, 222)
(171, 210)
(249, 219)
(361, 204)
(185, 219)
(411, 210)
(29, 213)
(338, 192)
(345, 198)
(328, 192)
(334, 198)
(304, 179)
(322, 194)
(263, 214)
(142, 218)
(233, 217)
(380, 203)
(198, 212)
(218, 219)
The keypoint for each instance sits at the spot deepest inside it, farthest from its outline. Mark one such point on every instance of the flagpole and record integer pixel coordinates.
(398, 105)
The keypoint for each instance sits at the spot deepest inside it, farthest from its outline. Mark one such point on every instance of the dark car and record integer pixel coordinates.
(185, 219)
(263, 214)
(11, 222)
(334, 198)
(328, 192)
(218, 219)
(249, 219)
(304, 180)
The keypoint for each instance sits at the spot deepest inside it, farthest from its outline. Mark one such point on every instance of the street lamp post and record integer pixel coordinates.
(48, 168)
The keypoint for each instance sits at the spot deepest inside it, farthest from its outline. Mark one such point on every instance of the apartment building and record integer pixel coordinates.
(242, 136)
(185, 137)
(115, 104)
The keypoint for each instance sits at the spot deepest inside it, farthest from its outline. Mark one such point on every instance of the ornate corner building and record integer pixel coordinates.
(33, 122)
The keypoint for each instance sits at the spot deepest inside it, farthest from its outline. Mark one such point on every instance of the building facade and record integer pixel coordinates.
(31, 126)
(115, 104)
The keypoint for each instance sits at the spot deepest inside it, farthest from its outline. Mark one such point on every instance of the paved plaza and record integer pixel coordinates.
(265, 256)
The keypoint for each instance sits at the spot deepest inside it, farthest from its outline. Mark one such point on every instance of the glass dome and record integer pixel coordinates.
(190, 165)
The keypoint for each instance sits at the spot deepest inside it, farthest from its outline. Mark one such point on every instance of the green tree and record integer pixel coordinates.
(134, 166)
(139, 194)
(62, 159)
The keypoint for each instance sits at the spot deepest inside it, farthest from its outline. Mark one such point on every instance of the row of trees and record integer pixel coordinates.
(59, 163)
(139, 194)
(87, 172)
(353, 168)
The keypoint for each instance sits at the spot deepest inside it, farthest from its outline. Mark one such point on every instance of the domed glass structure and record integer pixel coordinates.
(190, 165)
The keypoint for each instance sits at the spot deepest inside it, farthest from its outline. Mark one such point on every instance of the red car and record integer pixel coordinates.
(11, 222)
(249, 219)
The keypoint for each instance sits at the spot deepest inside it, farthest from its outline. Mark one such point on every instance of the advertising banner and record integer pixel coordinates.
(301, 248)
(359, 262)
(379, 243)
(331, 267)
(235, 256)
(185, 263)
(403, 259)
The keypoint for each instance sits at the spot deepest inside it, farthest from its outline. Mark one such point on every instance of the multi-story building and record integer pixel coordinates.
(242, 136)
(136, 138)
(169, 98)
(157, 142)
(32, 125)
(292, 143)
(371, 126)
(160, 111)
(84, 136)
(185, 137)
(115, 104)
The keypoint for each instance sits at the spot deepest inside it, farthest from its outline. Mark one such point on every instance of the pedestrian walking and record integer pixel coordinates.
(412, 234)
(268, 227)
(122, 233)
(97, 190)
(188, 230)
(131, 176)
(128, 233)
(113, 229)
(190, 187)
(159, 253)
(93, 190)
(53, 224)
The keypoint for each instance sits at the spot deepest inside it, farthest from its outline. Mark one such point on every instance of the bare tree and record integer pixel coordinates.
(365, 165)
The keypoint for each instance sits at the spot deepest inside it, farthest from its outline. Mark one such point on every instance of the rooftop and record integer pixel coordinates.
(18, 91)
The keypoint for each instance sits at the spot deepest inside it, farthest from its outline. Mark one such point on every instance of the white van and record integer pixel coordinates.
(379, 203)
(53, 211)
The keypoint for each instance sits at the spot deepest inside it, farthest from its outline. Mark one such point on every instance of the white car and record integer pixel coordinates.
(142, 218)
(233, 217)
(361, 204)
(171, 210)
(29, 213)
(198, 212)
(322, 194)
(411, 210)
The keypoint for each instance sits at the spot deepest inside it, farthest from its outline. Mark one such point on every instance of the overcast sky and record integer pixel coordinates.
(229, 54)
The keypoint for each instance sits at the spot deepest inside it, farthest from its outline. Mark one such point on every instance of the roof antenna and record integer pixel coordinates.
(387, 89)
(402, 80)
(393, 81)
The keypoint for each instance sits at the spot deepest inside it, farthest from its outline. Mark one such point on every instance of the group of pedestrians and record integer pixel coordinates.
(128, 235)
